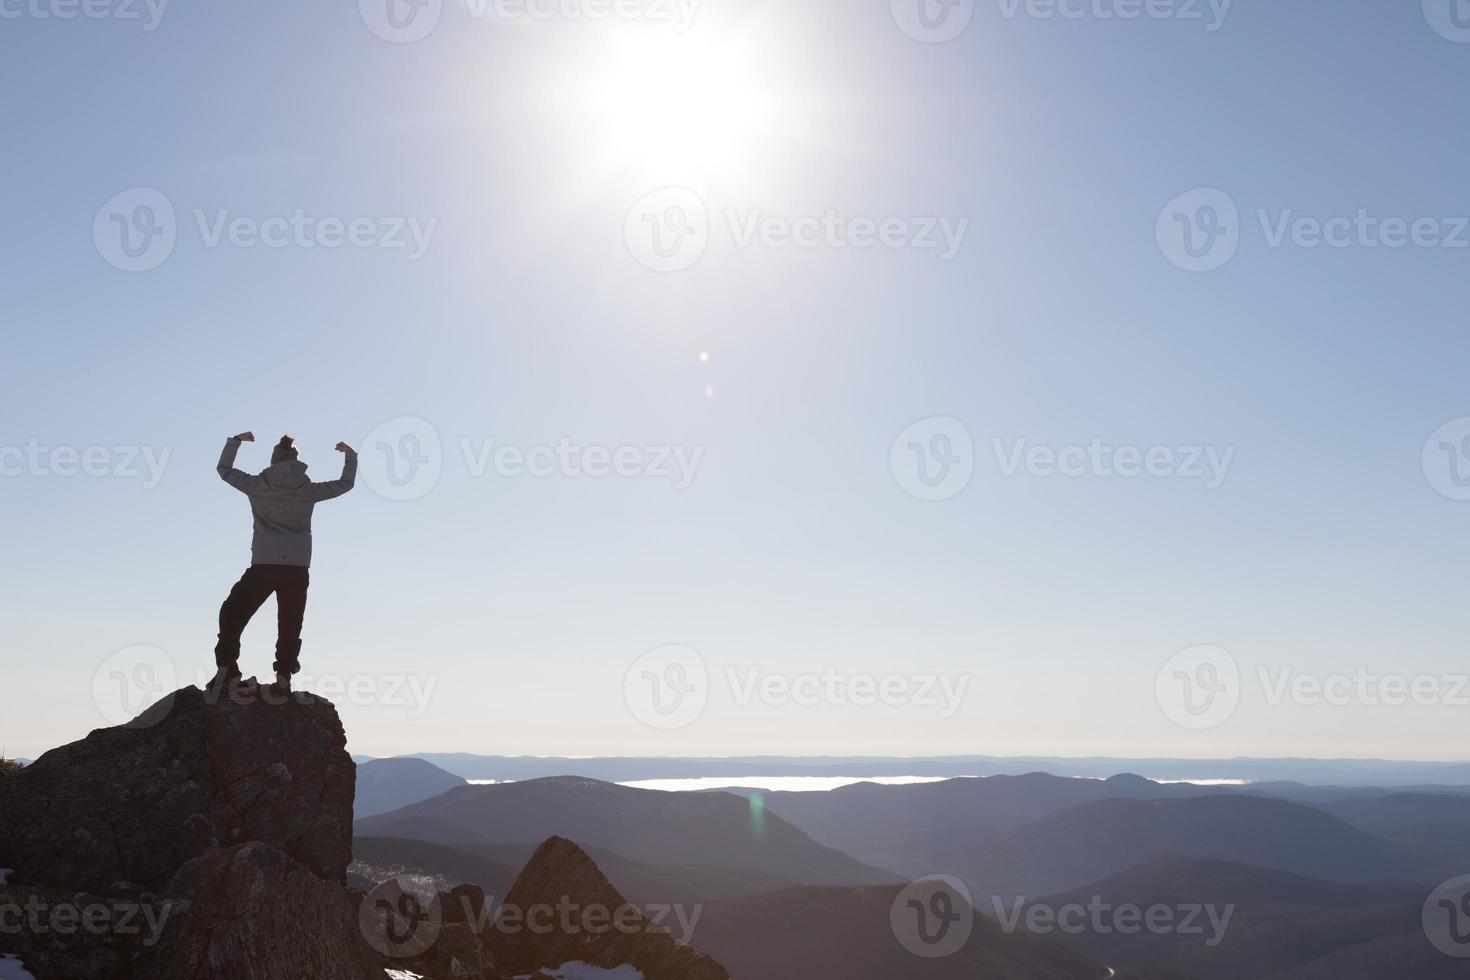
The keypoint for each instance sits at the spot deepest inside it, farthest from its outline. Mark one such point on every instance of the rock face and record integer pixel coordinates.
(206, 840)
(132, 804)
(211, 840)
(257, 914)
(563, 909)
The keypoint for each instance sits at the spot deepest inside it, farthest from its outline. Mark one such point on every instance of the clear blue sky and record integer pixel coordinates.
(529, 320)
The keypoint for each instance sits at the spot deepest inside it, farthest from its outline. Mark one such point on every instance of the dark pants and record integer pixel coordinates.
(288, 583)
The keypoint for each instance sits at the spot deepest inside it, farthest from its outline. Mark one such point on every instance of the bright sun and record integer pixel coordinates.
(660, 106)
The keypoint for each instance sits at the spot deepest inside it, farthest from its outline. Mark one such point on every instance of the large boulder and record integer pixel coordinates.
(253, 913)
(562, 909)
(201, 840)
(213, 839)
(130, 805)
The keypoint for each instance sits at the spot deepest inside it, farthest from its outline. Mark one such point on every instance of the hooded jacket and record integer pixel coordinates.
(282, 500)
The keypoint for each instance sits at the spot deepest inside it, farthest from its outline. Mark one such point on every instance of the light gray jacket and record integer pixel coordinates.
(282, 500)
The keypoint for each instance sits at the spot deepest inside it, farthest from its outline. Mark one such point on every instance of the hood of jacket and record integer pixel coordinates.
(287, 474)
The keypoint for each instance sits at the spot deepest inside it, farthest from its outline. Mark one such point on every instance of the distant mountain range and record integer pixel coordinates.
(703, 830)
(1334, 772)
(1320, 882)
(491, 866)
(802, 933)
(1280, 926)
(1091, 841)
(387, 784)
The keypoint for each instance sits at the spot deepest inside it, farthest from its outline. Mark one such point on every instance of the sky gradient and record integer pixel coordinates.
(797, 544)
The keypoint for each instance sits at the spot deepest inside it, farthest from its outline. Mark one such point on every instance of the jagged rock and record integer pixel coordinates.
(225, 829)
(441, 940)
(253, 913)
(563, 909)
(212, 839)
(126, 807)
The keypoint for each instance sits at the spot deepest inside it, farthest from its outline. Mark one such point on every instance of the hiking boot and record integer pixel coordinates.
(223, 683)
(282, 686)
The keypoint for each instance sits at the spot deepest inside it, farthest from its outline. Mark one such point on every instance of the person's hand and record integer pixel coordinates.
(246, 437)
(342, 447)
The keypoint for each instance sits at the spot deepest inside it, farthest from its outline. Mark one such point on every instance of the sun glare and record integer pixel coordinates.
(659, 106)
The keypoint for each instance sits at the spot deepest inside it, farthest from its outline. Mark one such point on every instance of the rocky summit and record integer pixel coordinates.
(128, 806)
(206, 838)
(210, 838)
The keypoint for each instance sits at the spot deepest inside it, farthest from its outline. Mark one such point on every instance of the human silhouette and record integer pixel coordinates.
(282, 500)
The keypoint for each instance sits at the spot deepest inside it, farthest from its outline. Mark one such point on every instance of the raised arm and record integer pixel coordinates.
(241, 481)
(336, 488)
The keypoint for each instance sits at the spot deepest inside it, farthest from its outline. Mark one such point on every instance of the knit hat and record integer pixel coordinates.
(284, 450)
